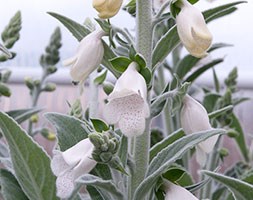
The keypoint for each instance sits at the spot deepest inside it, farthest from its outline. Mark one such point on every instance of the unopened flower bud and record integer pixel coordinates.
(192, 29)
(4, 90)
(29, 82)
(107, 8)
(51, 69)
(48, 134)
(88, 57)
(37, 82)
(108, 87)
(49, 87)
(34, 118)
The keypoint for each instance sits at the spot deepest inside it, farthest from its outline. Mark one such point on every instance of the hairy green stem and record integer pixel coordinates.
(144, 47)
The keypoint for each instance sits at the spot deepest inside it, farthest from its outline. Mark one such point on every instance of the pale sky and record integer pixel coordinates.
(37, 26)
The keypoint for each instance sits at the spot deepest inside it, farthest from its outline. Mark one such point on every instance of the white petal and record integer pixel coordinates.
(208, 145)
(70, 61)
(192, 30)
(65, 185)
(58, 164)
(200, 156)
(75, 154)
(175, 192)
(131, 80)
(194, 117)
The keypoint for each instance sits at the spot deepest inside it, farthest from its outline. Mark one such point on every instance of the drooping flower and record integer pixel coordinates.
(127, 103)
(176, 192)
(107, 8)
(194, 118)
(192, 29)
(88, 56)
(71, 164)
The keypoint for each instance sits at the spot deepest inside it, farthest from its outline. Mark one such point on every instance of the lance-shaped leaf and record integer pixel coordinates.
(79, 32)
(168, 156)
(30, 162)
(106, 188)
(10, 187)
(70, 130)
(241, 190)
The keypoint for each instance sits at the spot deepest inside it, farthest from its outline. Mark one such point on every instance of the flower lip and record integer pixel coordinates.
(192, 30)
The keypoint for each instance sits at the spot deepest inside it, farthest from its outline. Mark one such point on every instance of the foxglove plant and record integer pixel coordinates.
(112, 158)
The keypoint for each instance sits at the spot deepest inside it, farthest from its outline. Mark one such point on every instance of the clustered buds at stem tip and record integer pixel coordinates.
(192, 29)
(88, 56)
(107, 8)
(176, 192)
(194, 118)
(127, 104)
(71, 164)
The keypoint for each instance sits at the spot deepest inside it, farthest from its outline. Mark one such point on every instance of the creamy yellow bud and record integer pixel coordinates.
(107, 8)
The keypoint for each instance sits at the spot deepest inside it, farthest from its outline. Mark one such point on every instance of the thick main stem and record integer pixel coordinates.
(144, 47)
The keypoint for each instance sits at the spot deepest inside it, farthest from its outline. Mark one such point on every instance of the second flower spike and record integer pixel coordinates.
(107, 8)
(192, 29)
(88, 56)
(128, 103)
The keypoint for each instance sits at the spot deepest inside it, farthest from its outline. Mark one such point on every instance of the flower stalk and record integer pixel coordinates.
(144, 47)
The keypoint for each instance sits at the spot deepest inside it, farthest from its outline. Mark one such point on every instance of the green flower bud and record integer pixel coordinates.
(76, 109)
(37, 82)
(34, 118)
(51, 69)
(4, 90)
(5, 75)
(223, 152)
(232, 133)
(48, 134)
(49, 87)
(29, 82)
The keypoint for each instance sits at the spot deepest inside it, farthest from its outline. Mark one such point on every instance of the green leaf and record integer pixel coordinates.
(168, 156)
(220, 112)
(210, 101)
(28, 159)
(70, 130)
(94, 193)
(140, 60)
(23, 114)
(215, 13)
(101, 78)
(99, 125)
(120, 63)
(106, 188)
(123, 150)
(165, 142)
(240, 139)
(79, 32)
(146, 73)
(204, 68)
(240, 189)
(10, 187)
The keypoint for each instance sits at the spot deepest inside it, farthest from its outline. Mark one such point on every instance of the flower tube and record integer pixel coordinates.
(176, 192)
(88, 56)
(194, 118)
(192, 29)
(107, 8)
(71, 164)
(127, 104)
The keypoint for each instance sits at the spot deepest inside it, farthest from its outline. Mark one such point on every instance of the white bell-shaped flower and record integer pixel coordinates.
(107, 8)
(192, 29)
(194, 118)
(127, 104)
(88, 56)
(176, 192)
(71, 164)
